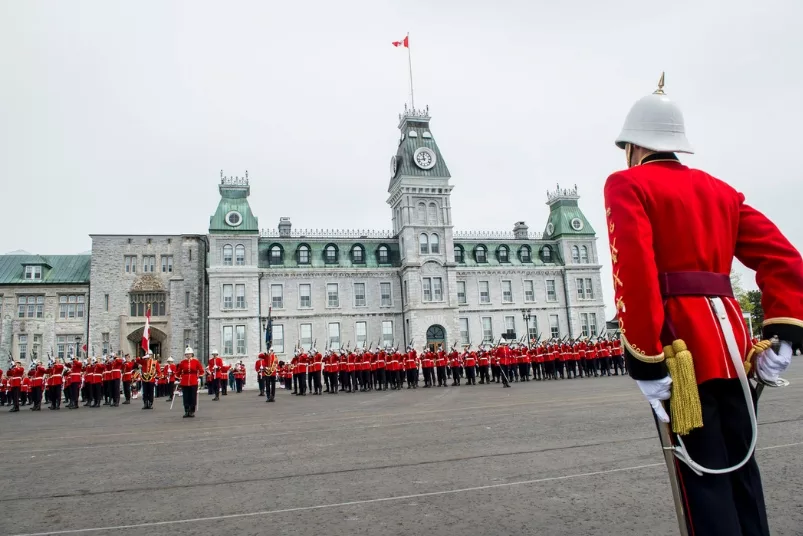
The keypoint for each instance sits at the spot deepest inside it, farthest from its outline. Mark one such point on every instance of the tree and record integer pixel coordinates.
(740, 294)
(754, 297)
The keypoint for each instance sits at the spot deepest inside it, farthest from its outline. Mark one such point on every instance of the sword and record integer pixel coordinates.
(665, 435)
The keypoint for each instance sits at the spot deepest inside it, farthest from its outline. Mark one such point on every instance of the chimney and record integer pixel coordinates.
(284, 227)
(520, 230)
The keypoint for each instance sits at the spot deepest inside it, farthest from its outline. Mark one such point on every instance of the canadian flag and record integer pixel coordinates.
(146, 335)
(403, 43)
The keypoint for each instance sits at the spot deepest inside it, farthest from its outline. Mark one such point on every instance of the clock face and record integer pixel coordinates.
(392, 166)
(424, 158)
(550, 228)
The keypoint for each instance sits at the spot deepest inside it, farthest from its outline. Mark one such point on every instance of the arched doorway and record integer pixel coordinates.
(157, 339)
(436, 337)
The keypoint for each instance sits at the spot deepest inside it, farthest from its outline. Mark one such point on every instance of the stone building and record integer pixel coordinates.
(421, 283)
(43, 306)
(129, 273)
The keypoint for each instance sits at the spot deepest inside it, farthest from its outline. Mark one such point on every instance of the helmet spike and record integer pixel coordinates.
(660, 90)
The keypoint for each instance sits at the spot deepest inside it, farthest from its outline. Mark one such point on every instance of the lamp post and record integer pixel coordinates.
(525, 313)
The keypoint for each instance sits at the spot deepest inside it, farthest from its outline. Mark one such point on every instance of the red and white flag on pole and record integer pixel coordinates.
(146, 335)
(403, 43)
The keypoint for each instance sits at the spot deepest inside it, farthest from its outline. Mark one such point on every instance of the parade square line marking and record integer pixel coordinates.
(367, 501)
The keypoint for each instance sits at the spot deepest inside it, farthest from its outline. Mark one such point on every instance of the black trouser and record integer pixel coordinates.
(216, 386)
(127, 390)
(302, 382)
(36, 396)
(411, 377)
(618, 364)
(261, 382)
(441, 375)
(147, 393)
(270, 387)
(224, 385)
(524, 371)
(96, 393)
(310, 379)
(15, 396)
(316, 380)
(484, 374)
(171, 390)
(381, 379)
(455, 375)
(730, 504)
(55, 396)
(114, 387)
(189, 395)
(238, 382)
(75, 390)
(471, 376)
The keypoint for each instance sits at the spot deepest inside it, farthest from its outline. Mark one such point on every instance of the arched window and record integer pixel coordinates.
(422, 213)
(303, 254)
(228, 253)
(330, 254)
(503, 254)
(575, 255)
(276, 254)
(239, 255)
(423, 242)
(459, 255)
(546, 254)
(358, 254)
(524, 254)
(434, 243)
(481, 254)
(584, 255)
(433, 213)
(383, 255)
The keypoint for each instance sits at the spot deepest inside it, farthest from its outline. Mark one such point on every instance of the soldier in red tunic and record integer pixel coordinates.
(15, 374)
(188, 373)
(674, 232)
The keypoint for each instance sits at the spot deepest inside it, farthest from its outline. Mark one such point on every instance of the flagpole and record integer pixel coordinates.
(410, 65)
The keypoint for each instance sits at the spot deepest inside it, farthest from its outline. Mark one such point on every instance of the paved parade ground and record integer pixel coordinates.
(575, 457)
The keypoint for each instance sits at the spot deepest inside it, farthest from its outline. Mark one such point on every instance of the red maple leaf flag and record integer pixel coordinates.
(146, 333)
(403, 43)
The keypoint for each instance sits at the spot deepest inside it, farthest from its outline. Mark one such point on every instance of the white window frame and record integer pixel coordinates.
(487, 332)
(228, 260)
(589, 285)
(361, 338)
(332, 304)
(240, 336)
(130, 264)
(434, 244)
(507, 293)
(580, 288)
(228, 340)
(274, 302)
(533, 327)
(487, 285)
(388, 336)
(239, 260)
(22, 346)
(278, 338)
(148, 264)
(167, 264)
(426, 289)
(239, 299)
(306, 343)
(554, 330)
(385, 300)
(423, 244)
(554, 296)
(357, 287)
(437, 289)
(584, 255)
(465, 334)
(531, 291)
(301, 296)
(510, 323)
(464, 300)
(227, 301)
(33, 273)
(333, 335)
(71, 306)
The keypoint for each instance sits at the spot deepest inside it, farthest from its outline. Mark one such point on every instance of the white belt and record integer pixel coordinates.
(733, 349)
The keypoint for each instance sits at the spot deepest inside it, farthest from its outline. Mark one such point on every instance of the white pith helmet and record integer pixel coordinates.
(655, 123)
(188, 351)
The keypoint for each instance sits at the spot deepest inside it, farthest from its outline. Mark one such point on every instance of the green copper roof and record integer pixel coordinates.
(564, 215)
(56, 269)
(493, 248)
(290, 248)
(234, 198)
(415, 133)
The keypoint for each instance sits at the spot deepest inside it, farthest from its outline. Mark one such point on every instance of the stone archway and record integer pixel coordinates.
(436, 337)
(158, 339)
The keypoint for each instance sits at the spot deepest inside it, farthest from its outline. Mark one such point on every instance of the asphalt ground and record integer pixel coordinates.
(571, 457)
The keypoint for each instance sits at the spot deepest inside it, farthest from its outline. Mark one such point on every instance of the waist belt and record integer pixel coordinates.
(694, 284)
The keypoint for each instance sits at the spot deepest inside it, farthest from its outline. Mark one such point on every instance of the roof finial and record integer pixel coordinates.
(660, 90)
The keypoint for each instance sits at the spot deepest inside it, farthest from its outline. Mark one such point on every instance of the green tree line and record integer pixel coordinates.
(749, 300)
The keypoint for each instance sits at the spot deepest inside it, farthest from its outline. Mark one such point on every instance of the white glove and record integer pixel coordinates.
(655, 391)
(771, 365)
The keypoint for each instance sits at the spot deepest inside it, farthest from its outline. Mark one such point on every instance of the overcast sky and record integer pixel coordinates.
(117, 117)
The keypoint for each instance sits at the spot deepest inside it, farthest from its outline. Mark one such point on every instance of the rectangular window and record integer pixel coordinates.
(464, 335)
(406, 293)
(148, 263)
(589, 289)
(167, 264)
(510, 324)
(105, 338)
(359, 294)
(228, 296)
(23, 347)
(487, 329)
(61, 346)
(529, 290)
(334, 336)
(239, 255)
(33, 272)
(140, 303)
(332, 295)
(361, 333)
(31, 306)
(437, 289)
(533, 331)
(304, 295)
(130, 264)
(228, 340)
(592, 324)
(106, 302)
(554, 326)
(239, 296)
(580, 289)
(485, 292)
(187, 299)
(507, 292)
(551, 294)
(187, 337)
(385, 295)
(36, 349)
(461, 293)
(277, 296)
(278, 338)
(387, 333)
(241, 340)
(306, 336)
(584, 324)
(427, 289)
(71, 307)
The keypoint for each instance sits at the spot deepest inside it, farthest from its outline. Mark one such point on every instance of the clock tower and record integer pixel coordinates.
(422, 219)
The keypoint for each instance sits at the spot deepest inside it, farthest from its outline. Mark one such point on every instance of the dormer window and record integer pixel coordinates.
(481, 254)
(33, 273)
(503, 254)
(459, 255)
(383, 255)
(358, 254)
(330, 254)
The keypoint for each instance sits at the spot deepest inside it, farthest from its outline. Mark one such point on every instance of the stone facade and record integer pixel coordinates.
(166, 272)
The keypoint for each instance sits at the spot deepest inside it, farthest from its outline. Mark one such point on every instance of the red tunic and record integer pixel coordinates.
(188, 371)
(664, 217)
